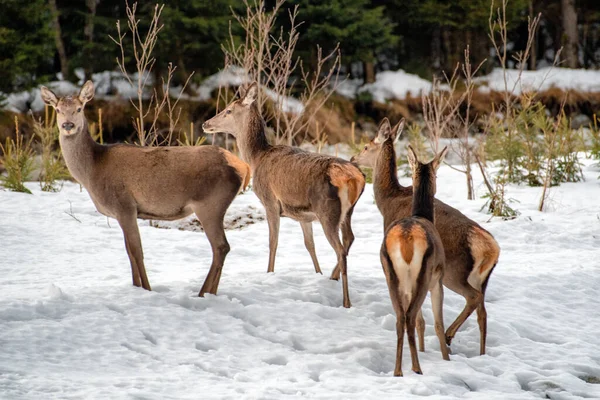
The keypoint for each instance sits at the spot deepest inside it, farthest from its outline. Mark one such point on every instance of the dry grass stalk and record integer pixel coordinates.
(18, 161)
(142, 47)
(268, 59)
(440, 108)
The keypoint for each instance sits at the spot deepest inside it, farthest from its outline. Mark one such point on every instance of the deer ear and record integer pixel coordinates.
(412, 157)
(87, 92)
(49, 97)
(437, 161)
(384, 131)
(397, 131)
(251, 95)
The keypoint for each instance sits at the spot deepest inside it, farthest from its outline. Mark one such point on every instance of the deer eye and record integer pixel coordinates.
(366, 147)
(57, 111)
(228, 112)
(79, 109)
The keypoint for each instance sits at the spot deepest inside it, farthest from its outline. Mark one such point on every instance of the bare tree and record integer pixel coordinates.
(143, 47)
(88, 32)
(268, 58)
(463, 150)
(440, 108)
(60, 44)
(570, 34)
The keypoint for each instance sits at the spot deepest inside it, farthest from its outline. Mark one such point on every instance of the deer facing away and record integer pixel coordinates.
(127, 182)
(294, 183)
(471, 251)
(412, 256)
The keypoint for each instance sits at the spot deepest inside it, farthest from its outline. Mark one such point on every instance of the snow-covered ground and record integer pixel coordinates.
(388, 85)
(109, 84)
(399, 84)
(73, 326)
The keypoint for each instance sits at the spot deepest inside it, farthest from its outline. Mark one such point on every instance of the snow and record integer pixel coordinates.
(73, 326)
(396, 85)
(399, 84)
(109, 84)
(581, 80)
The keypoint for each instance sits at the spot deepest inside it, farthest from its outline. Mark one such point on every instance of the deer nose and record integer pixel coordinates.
(204, 125)
(68, 126)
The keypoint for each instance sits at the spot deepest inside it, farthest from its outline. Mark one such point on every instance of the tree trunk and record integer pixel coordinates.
(436, 48)
(534, 47)
(570, 35)
(60, 45)
(88, 32)
(369, 68)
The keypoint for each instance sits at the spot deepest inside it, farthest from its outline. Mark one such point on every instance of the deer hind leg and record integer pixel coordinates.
(482, 321)
(212, 222)
(411, 321)
(421, 330)
(273, 218)
(473, 298)
(133, 244)
(437, 301)
(309, 242)
(347, 239)
(331, 228)
(400, 328)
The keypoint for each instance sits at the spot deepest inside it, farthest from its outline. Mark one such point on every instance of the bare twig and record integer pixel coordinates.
(268, 59)
(70, 212)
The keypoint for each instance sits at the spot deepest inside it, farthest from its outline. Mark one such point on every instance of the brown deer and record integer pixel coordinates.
(412, 256)
(471, 251)
(294, 183)
(127, 182)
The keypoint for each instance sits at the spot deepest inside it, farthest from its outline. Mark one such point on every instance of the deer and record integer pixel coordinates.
(294, 183)
(412, 256)
(471, 252)
(127, 182)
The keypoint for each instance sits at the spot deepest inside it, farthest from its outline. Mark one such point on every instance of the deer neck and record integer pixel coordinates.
(253, 142)
(422, 204)
(78, 152)
(385, 174)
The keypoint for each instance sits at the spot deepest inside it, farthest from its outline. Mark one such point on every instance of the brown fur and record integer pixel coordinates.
(484, 250)
(458, 233)
(241, 167)
(294, 183)
(347, 175)
(418, 268)
(165, 183)
(406, 242)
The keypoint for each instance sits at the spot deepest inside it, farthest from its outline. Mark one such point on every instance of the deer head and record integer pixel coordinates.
(368, 155)
(234, 116)
(69, 109)
(425, 172)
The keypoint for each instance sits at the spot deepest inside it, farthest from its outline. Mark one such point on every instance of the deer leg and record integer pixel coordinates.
(392, 283)
(473, 298)
(309, 242)
(482, 321)
(133, 244)
(421, 330)
(347, 239)
(273, 218)
(331, 230)
(437, 301)
(213, 227)
(400, 326)
(410, 331)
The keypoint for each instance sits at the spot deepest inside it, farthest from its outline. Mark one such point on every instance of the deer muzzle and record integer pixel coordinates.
(67, 126)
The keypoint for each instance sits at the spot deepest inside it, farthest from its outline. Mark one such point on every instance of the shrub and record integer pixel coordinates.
(18, 162)
(53, 167)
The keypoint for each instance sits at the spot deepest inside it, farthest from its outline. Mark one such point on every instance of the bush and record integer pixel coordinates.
(53, 167)
(18, 162)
